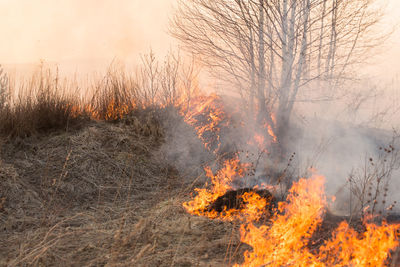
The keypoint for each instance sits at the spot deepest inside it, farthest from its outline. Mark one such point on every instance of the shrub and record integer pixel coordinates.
(369, 186)
(46, 104)
(41, 106)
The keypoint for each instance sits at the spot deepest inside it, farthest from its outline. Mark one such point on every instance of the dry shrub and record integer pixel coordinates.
(168, 84)
(370, 185)
(39, 106)
(114, 96)
(46, 104)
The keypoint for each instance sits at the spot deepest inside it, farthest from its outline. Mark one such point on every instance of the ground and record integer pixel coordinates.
(103, 194)
(108, 194)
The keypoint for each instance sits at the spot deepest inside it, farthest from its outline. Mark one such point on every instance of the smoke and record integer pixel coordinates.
(345, 136)
(86, 35)
(89, 34)
(337, 148)
(183, 149)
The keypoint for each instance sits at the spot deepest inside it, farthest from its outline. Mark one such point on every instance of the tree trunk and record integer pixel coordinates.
(332, 46)
(288, 33)
(302, 58)
(253, 75)
(321, 36)
(262, 112)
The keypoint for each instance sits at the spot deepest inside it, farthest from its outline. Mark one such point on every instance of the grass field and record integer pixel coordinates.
(89, 179)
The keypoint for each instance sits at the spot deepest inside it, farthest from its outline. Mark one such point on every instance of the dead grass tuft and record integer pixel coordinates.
(40, 106)
(102, 196)
(48, 103)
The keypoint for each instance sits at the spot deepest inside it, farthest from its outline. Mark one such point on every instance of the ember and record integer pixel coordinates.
(233, 199)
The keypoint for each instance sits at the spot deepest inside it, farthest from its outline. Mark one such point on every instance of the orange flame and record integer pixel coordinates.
(273, 118)
(254, 208)
(272, 134)
(113, 111)
(349, 248)
(206, 115)
(221, 183)
(284, 242)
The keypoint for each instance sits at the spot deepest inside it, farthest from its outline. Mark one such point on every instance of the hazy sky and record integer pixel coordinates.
(70, 30)
(81, 31)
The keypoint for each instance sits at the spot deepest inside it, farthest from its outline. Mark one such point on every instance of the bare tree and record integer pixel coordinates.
(269, 50)
(167, 83)
(149, 78)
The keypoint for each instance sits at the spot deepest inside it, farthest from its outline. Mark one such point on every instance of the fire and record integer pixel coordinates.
(220, 184)
(206, 115)
(272, 134)
(255, 206)
(284, 242)
(286, 239)
(273, 118)
(114, 110)
(270, 130)
(350, 248)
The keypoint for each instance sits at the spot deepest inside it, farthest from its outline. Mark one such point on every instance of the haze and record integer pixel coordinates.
(76, 32)
(91, 33)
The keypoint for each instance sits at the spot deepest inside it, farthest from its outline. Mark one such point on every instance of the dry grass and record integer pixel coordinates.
(102, 195)
(47, 103)
(39, 106)
(77, 190)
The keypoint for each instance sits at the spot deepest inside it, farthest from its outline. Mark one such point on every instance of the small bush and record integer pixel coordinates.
(42, 106)
(46, 104)
(370, 185)
(114, 97)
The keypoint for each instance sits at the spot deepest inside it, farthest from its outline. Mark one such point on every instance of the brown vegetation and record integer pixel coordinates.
(102, 195)
(84, 180)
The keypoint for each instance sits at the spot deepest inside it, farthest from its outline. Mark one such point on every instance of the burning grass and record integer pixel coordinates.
(286, 238)
(47, 103)
(205, 114)
(103, 193)
(285, 241)
(237, 199)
